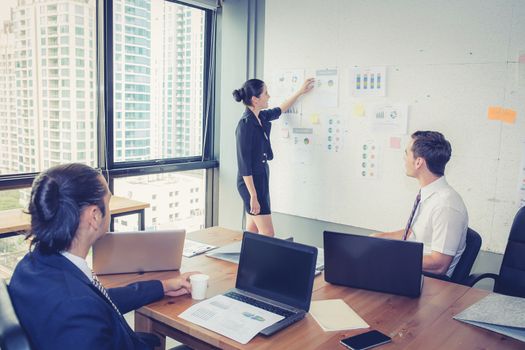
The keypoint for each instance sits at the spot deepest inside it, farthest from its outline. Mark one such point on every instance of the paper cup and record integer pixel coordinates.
(199, 285)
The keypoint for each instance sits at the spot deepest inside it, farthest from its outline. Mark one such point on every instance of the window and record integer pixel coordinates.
(147, 26)
(24, 151)
(155, 189)
(52, 104)
(12, 248)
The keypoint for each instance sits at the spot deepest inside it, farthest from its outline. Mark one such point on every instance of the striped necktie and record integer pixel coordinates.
(409, 223)
(104, 292)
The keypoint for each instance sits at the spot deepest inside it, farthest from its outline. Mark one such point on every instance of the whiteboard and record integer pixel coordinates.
(445, 62)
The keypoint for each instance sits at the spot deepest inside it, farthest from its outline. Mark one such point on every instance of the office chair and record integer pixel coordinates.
(462, 270)
(12, 336)
(511, 277)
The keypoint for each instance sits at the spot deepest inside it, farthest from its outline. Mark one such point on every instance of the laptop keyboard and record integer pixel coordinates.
(259, 304)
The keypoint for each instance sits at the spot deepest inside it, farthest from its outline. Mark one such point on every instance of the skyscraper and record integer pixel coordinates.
(178, 54)
(132, 77)
(8, 120)
(49, 46)
(158, 74)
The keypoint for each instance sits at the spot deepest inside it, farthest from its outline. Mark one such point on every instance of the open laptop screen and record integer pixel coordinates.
(277, 269)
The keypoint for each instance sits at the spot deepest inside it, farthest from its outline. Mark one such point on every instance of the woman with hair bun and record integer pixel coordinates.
(254, 150)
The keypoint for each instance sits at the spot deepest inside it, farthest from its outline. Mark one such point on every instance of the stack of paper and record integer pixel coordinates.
(229, 317)
(192, 248)
(498, 313)
(232, 252)
(335, 315)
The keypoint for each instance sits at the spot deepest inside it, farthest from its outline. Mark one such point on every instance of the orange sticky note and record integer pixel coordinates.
(508, 116)
(503, 114)
(494, 112)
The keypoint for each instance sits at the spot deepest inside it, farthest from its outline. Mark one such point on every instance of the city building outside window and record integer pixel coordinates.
(49, 101)
(158, 106)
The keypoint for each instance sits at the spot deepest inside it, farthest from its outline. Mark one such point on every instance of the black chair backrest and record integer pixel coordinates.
(12, 336)
(511, 280)
(462, 270)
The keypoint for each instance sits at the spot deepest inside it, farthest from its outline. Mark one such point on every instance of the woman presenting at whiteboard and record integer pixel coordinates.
(254, 150)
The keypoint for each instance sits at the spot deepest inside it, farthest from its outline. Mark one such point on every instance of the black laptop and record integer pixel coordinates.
(379, 264)
(275, 275)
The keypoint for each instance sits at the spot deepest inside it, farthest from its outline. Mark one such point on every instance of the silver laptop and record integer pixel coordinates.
(139, 251)
(275, 275)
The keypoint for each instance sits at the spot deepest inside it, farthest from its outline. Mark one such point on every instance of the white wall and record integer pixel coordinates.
(233, 72)
(448, 61)
(233, 66)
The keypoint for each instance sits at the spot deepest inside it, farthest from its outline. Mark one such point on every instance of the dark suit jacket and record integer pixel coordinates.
(60, 308)
(253, 141)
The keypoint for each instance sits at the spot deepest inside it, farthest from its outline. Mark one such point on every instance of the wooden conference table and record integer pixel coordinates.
(422, 323)
(14, 221)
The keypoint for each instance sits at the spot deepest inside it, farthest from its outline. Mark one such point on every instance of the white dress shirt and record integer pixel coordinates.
(441, 221)
(80, 263)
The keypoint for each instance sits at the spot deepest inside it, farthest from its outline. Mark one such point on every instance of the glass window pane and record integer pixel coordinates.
(12, 249)
(154, 40)
(26, 143)
(176, 200)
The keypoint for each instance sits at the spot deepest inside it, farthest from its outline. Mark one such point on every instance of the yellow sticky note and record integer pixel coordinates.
(314, 118)
(503, 114)
(358, 110)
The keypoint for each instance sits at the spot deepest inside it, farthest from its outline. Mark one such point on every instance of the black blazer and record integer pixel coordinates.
(253, 141)
(59, 307)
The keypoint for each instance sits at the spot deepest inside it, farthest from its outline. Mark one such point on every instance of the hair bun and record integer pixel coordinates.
(47, 198)
(238, 95)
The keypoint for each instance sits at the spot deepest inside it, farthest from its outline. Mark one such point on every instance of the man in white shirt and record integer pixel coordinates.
(439, 218)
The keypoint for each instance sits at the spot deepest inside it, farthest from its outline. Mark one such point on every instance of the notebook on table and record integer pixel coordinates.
(193, 248)
(138, 251)
(275, 275)
(499, 313)
(383, 265)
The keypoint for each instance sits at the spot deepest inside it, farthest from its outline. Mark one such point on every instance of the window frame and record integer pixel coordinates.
(110, 169)
(154, 166)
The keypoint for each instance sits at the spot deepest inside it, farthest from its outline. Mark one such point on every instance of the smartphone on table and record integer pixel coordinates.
(366, 340)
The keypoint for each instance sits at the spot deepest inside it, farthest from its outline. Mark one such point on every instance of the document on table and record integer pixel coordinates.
(192, 248)
(498, 313)
(335, 315)
(229, 317)
(232, 253)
